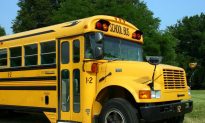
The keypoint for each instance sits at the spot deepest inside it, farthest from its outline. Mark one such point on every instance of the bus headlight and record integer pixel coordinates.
(156, 94)
(147, 94)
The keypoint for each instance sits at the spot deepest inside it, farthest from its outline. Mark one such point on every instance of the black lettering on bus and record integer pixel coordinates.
(89, 80)
(126, 31)
(119, 29)
(111, 28)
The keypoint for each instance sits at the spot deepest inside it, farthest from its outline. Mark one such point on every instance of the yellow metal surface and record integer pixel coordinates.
(133, 75)
(28, 98)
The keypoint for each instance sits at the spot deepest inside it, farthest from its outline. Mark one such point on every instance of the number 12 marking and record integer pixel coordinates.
(89, 80)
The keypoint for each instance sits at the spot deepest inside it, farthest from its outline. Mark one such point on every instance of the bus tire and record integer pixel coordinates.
(118, 110)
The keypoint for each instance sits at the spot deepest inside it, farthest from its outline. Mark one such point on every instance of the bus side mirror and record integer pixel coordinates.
(154, 60)
(98, 52)
(99, 37)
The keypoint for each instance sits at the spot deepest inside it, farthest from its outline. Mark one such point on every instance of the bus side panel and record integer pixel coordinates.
(28, 98)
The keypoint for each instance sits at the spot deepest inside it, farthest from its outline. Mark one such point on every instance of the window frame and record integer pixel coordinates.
(31, 55)
(68, 58)
(76, 110)
(48, 53)
(1, 59)
(10, 58)
(76, 40)
(67, 94)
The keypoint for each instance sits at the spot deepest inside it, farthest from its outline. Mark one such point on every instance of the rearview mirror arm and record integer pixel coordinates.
(151, 85)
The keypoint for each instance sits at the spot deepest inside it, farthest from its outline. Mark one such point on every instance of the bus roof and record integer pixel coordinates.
(72, 28)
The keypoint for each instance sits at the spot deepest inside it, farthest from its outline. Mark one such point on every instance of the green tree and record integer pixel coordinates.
(2, 31)
(190, 32)
(134, 11)
(161, 44)
(34, 14)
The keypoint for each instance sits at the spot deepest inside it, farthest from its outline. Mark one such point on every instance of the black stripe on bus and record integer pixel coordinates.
(27, 87)
(30, 35)
(28, 68)
(41, 78)
(28, 108)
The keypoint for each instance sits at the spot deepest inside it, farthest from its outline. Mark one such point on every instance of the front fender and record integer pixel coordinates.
(131, 86)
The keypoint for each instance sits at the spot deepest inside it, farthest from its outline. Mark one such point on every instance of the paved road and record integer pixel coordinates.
(18, 117)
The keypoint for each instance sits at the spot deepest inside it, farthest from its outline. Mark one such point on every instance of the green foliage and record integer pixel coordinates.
(34, 14)
(161, 44)
(190, 32)
(133, 11)
(2, 31)
(156, 43)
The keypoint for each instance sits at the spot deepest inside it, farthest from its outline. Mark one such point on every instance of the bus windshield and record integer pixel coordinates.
(115, 48)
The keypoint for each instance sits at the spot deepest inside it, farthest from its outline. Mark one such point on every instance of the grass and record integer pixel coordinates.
(198, 113)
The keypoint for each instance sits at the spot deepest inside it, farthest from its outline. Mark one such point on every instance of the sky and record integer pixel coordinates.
(168, 11)
(8, 12)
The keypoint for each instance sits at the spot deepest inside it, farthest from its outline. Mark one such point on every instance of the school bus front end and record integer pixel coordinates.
(128, 89)
(130, 80)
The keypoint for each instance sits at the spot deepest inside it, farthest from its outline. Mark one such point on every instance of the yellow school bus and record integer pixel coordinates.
(90, 70)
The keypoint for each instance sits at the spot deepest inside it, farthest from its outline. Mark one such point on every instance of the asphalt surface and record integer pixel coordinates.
(18, 117)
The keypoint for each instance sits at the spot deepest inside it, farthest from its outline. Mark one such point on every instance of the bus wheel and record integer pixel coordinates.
(118, 110)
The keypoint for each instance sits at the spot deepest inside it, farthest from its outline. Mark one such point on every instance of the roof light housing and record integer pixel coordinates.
(137, 35)
(102, 25)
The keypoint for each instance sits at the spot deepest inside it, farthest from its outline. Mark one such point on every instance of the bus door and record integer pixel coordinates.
(71, 69)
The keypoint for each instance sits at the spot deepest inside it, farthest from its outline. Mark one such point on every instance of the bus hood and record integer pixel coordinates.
(170, 80)
(140, 72)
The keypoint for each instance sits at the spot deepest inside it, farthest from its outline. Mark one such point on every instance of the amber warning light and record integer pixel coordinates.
(94, 68)
(137, 35)
(102, 25)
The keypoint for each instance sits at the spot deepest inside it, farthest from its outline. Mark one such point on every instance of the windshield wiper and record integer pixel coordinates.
(115, 59)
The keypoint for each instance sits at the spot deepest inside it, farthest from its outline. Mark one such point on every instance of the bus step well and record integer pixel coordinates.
(51, 116)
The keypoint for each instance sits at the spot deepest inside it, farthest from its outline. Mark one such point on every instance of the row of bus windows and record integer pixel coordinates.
(48, 54)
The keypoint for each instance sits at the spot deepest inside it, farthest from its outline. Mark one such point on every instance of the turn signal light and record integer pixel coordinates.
(102, 25)
(94, 68)
(137, 35)
(145, 94)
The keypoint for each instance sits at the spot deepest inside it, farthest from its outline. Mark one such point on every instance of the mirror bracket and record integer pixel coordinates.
(98, 52)
(99, 37)
(153, 60)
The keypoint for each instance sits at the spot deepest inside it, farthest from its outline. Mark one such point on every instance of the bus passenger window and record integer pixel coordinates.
(15, 57)
(48, 52)
(3, 57)
(76, 90)
(65, 89)
(31, 54)
(65, 52)
(76, 51)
